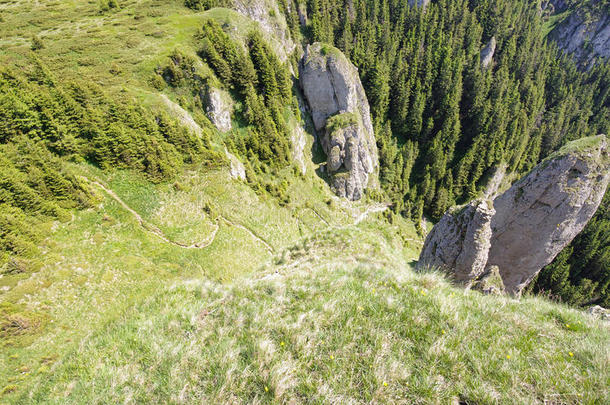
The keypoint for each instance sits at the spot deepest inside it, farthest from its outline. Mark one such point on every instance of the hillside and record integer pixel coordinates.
(169, 231)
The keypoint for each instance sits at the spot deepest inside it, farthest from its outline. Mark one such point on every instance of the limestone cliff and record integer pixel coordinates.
(340, 113)
(533, 221)
(541, 214)
(271, 20)
(582, 31)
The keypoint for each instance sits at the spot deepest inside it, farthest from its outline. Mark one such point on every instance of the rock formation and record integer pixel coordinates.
(584, 32)
(541, 213)
(340, 112)
(271, 19)
(533, 221)
(487, 53)
(218, 108)
(419, 3)
(459, 242)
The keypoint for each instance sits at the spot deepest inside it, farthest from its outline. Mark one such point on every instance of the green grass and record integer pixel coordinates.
(112, 313)
(335, 333)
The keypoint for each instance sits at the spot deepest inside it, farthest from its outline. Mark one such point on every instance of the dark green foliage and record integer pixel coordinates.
(43, 120)
(422, 75)
(34, 187)
(205, 4)
(36, 43)
(263, 86)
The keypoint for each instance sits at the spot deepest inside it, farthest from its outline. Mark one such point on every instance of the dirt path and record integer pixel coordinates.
(250, 231)
(153, 229)
(198, 245)
(210, 239)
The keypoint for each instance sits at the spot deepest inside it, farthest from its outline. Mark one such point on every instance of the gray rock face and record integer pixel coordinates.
(267, 13)
(459, 242)
(487, 54)
(218, 108)
(586, 37)
(541, 214)
(340, 111)
(419, 3)
(490, 282)
(533, 221)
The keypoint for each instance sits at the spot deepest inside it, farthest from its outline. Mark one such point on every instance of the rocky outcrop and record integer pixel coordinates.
(534, 219)
(459, 242)
(183, 116)
(541, 213)
(487, 54)
(299, 141)
(419, 3)
(271, 20)
(218, 108)
(237, 170)
(584, 32)
(341, 115)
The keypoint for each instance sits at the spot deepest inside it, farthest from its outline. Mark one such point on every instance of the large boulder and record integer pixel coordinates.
(459, 242)
(541, 213)
(533, 221)
(341, 115)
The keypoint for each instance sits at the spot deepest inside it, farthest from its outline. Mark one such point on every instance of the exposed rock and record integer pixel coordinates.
(490, 282)
(183, 116)
(302, 10)
(419, 3)
(271, 20)
(599, 312)
(218, 108)
(340, 110)
(487, 54)
(459, 242)
(299, 141)
(584, 33)
(533, 221)
(237, 169)
(541, 213)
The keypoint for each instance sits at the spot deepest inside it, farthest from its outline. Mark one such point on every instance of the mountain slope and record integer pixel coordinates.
(135, 260)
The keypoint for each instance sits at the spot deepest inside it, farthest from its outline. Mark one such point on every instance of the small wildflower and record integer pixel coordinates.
(385, 384)
(568, 325)
(508, 356)
(443, 331)
(373, 291)
(282, 343)
(266, 389)
(360, 308)
(332, 357)
(423, 292)
(571, 354)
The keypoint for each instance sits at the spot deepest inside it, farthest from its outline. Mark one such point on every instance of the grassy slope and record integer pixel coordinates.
(116, 314)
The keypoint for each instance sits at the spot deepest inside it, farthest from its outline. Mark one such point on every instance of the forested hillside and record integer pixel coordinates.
(444, 120)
